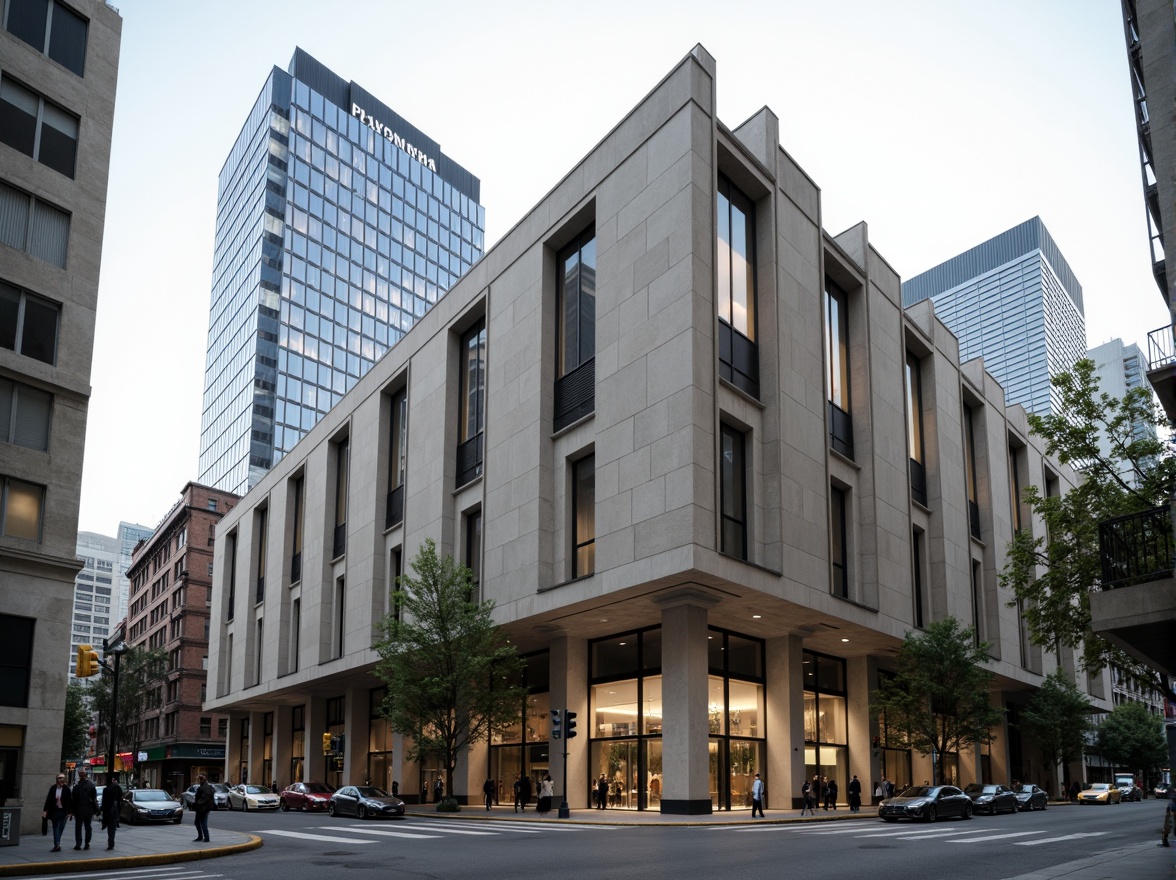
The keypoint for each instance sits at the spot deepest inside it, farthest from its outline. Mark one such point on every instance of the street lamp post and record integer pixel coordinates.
(118, 649)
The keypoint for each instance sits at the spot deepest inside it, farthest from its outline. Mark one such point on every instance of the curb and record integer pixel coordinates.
(118, 862)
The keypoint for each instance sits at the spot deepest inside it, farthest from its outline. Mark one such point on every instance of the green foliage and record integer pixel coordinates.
(1053, 575)
(1058, 719)
(142, 675)
(450, 672)
(1133, 738)
(76, 731)
(938, 697)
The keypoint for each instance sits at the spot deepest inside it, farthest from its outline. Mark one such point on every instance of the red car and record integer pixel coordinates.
(312, 796)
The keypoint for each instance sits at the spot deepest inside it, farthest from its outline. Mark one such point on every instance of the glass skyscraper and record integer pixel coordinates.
(1015, 302)
(339, 224)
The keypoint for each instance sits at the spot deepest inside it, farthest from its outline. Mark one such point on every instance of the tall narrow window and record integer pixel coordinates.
(473, 404)
(340, 613)
(839, 545)
(396, 565)
(295, 632)
(584, 507)
(1014, 488)
(342, 466)
(979, 614)
(262, 542)
(970, 471)
(231, 561)
(296, 549)
(914, 394)
(917, 580)
(397, 460)
(473, 552)
(257, 653)
(735, 290)
(28, 324)
(575, 386)
(37, 128)
(837, 362)
(733, 492)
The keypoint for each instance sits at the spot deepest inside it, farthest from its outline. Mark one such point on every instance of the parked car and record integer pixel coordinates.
(363, 801)
(1030, 797)
(220, 796)
(991, 798)
(1162, 790)
(150, 805)
(1128, 790)
(252, 797)
(1100, 793)
(306, 796)
(927, 802)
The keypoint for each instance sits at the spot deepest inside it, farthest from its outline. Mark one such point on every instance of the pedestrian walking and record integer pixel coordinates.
(855, 795)
(203, 803)
(601, 793)
(58, 808)
(85, 805)
(1169, 818)
(395, 788)
(112, 797)
(517, 790)
(488, 791)
(438, 790)
(757, 797)
(546, 793)
(526, 792)
(806, 796)
(1075, 790)
(831, 795)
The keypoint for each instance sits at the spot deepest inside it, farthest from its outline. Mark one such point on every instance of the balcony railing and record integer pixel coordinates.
(575, 395)
(469, 460)
(1161, 347)
(840, 431)
(1137, 548)
(340, 542)
(919, 482)
(394, 509)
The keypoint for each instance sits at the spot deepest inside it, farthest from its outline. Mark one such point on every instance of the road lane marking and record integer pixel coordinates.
(935, 832)
(428, 827)
(381, 832)
(326, 838)
(1056, 839)
(996, 837)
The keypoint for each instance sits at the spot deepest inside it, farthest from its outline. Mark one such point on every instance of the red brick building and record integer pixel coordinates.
(168, 607)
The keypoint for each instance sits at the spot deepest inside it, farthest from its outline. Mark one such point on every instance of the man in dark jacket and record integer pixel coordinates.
(85, 805)
(855, 794)
(112, 797)
(58, 808)
(203, 803)
(525, 792)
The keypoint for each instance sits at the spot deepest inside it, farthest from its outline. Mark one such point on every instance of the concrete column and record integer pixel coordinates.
(686, 730)
(355, 746)
(859, 673)
(316, 725)
(785, 722)
(283, 738)
(569, 689)
(256, 748)
(232, 747)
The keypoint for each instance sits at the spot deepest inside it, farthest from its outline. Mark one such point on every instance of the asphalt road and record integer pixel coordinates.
(315, 846)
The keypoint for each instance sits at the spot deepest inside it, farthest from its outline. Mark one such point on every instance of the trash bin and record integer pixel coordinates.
(9, 826)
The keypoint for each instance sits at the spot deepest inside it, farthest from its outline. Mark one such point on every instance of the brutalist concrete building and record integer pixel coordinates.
(58, 71)
(704, 463)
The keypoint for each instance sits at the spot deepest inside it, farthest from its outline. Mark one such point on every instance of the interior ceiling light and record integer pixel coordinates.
(756, 616)
(845, 640)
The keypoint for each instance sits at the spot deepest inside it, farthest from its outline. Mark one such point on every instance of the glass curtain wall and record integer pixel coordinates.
(896, 752)
(379, 762)
(524, 748)
(336, 726)
(298, 744)
(735, 715)
(267, 749)
(826, 738)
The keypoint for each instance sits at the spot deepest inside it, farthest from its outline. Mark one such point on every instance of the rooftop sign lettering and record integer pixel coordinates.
(385, 132)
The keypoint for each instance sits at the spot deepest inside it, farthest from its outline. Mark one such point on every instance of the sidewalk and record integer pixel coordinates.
(1144, 861)
(135, 846)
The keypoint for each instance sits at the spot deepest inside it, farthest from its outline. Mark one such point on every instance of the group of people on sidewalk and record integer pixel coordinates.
(823, 790)
(80, 803)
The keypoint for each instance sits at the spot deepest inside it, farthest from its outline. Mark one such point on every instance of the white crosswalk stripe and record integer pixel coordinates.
(381, 832)
(429, 829)
(302, 835)
(996, 837)
(1056, 839)
(160, 873)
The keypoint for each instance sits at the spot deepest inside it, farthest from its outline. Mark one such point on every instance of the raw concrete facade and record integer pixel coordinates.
(667, 585)
(50, 255)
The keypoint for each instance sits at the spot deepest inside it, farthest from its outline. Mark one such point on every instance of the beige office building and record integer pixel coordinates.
(706, 467)
(58, 71)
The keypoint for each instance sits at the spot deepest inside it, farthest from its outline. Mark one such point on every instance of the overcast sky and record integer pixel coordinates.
(939, 123)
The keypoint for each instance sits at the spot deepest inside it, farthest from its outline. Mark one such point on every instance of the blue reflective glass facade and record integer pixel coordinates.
(339, 224)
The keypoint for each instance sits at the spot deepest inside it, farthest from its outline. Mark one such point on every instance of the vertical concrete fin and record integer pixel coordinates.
(761, 135)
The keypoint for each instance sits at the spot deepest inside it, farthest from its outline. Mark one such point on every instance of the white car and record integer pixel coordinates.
(252, 797)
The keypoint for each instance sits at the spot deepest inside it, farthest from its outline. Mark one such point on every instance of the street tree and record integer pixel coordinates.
(1053, 574)
(1057, 719)
(451, 673)
(1131, 737)
(142, 677)
(937, 698)
(76, 732)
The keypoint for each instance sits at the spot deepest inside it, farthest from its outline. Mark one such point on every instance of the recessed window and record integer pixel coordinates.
(473, 551)
(837, 366)
(575, 387)
(733, 491)
(735, 290)
(472, 404)
(21, 508)
(32, 226)
(51, 28)
(37, 128)
(24, 415)
(28, 324)
(915, 445)
(397, 459)
(584, 514)
(970, 471)
(342, 469)
(839, 544)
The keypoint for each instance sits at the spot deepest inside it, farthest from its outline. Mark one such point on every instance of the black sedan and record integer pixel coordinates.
(991, 798)
(364, 801)
(1030, 797)
(927, 802)
(151, 805)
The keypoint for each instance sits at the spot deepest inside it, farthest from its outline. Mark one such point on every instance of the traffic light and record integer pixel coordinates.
(555, 724)
(326, 744)
(569, 724)
(87, 661)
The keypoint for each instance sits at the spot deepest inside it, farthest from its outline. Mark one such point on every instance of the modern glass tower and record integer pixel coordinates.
(339, 224)
(1015, 302)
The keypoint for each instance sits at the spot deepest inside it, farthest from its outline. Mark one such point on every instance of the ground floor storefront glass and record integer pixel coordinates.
(826, 753)
(379, 760)
(298, 744)
(522, 749)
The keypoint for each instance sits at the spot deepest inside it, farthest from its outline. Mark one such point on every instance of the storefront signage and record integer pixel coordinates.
(391, 136)
(191, 750)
